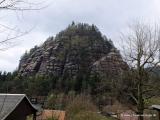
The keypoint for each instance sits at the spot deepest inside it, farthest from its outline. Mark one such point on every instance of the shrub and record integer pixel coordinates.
(82, 108)
(80, 104)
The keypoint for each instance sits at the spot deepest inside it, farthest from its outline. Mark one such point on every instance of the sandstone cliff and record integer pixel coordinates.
(73, 53)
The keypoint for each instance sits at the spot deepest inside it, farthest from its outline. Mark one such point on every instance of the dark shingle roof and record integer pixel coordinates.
(8, 102)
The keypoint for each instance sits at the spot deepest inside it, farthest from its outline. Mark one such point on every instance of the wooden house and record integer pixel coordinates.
(16, 107)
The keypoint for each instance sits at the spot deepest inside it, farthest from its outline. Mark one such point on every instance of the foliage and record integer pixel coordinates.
(82, 108)
(61, 101)
(152, 101)
(79, 104)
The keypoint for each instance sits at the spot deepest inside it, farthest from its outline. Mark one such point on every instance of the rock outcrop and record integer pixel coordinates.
(74, 52)
(111, 64)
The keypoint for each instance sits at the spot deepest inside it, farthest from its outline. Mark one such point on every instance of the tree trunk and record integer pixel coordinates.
(140, 105)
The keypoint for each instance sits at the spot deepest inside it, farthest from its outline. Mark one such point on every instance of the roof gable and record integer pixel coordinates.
(8, 102)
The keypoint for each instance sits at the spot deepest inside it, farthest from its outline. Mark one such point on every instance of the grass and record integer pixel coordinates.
(152, 101)
(88, 115)
(53, 118)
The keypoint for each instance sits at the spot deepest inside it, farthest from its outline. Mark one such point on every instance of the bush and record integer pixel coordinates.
(80, 104)
(55, 101)
(82, 108)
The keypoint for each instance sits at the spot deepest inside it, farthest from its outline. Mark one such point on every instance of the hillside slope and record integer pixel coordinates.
(73, 52)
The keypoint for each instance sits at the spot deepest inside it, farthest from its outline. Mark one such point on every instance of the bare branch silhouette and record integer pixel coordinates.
(8, 33)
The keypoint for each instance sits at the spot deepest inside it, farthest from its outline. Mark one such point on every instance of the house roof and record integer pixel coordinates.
(156, 107)
(52, 113)
(8, 103)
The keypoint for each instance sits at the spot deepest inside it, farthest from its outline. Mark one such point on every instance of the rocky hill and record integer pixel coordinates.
(73, 53)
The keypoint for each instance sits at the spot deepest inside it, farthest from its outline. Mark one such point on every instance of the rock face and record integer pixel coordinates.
(111, 64)
(74, 52)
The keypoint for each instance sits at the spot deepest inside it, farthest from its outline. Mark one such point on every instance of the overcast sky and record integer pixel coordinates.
(110, 16)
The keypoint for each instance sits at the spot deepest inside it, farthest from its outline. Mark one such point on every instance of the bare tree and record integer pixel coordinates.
(21, 5)
(141, 52)
(8, 33)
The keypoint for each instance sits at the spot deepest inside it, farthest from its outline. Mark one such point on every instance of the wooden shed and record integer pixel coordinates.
(16, 107)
